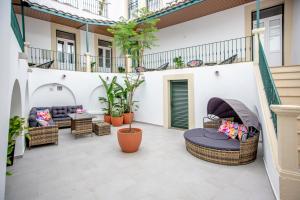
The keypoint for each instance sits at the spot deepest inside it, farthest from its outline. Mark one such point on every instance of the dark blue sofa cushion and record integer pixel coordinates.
(210, 138)
(72, 109)
(59, 111)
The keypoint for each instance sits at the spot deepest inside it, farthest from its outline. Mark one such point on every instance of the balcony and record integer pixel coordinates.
(235, 50)
(97, 7)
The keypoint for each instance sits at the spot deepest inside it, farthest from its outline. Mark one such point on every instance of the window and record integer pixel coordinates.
(105, 54)
(132, 8)
(65, 49)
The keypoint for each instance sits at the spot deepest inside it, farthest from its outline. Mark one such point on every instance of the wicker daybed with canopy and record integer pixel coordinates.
(210, 145)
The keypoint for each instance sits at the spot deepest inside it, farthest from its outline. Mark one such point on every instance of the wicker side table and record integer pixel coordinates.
(101, 128)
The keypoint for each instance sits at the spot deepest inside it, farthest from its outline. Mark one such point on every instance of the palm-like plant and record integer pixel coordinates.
(110, 95)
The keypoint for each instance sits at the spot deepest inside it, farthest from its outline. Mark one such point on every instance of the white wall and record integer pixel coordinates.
(12, 70)
(38, 32)
(228, 24)
(207, 85)
(296, 33)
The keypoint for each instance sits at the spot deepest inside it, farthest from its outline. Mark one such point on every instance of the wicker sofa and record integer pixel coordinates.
(60, 115)
(41, 134)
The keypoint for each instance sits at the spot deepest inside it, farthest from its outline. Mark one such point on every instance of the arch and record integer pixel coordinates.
(16, 100)
(94, 105)
(52, 94)
(26, 99)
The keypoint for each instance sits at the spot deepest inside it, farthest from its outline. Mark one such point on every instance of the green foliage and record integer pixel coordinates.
(110, 95)
(121, 69)
(134, 36)
(16, 127)
(178, 62)
(117, 110)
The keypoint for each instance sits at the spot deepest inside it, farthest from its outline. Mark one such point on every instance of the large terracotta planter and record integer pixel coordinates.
(107, 119)
(129, 141)
(128, 118)
(116, 121)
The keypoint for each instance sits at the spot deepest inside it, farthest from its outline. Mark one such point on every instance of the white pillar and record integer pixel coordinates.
(288, 136)
(258, 32)
(128, 63)
(88, 62)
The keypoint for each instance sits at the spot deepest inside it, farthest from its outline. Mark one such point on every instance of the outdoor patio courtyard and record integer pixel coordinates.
(95, 168)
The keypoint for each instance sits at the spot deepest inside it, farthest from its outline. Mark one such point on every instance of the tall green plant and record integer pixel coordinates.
(110, 95)
(16, 127)
(133, 37)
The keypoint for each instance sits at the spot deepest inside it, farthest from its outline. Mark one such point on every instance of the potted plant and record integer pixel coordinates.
(16, 127)
(133, 38)
(110, 97)
(178, 62)
(117, 115)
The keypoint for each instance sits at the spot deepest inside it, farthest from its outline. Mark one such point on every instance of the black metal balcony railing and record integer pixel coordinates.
(73, 3)
(154, 5)
(74, 62)
(210, 54)
(97, 7)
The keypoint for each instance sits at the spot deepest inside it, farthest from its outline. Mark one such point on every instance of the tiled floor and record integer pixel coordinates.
(94, 168)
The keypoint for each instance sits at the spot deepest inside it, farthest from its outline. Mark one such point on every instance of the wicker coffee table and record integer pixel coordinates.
(81, 124)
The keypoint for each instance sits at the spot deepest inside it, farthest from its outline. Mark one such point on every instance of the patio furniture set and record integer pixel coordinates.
(230, 135)
(44, 123)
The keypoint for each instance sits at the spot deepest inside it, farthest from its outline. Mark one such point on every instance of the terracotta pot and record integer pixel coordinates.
(128, 118)
(116, 121)
(107, 119)
(129, 141)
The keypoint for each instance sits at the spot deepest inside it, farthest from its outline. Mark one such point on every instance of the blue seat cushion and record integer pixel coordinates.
(61, 119)
(210, 138)
(59, 111)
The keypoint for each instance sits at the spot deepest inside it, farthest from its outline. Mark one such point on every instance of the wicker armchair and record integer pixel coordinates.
(43, 135)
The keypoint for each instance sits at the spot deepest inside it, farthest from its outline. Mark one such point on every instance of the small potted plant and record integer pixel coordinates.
(110, 97)
(178, 62)
(117, 115)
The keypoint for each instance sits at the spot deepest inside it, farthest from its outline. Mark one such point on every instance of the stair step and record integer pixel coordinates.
(287, 83)
(285, 76)
(287, 91)
(295, 68)
(290, 100)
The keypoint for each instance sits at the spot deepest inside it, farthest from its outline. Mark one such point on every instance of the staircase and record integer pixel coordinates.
(287, 81)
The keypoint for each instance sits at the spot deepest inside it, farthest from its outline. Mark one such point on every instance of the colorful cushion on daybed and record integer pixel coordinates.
(43, 115)
(232, 129)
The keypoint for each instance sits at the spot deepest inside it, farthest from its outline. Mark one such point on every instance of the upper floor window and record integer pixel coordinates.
(132, 8)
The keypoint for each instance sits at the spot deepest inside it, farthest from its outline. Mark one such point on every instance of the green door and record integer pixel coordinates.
(179, 104)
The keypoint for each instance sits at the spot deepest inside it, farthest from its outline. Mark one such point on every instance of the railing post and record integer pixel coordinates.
(288, 150)
(258, 33)
(26, 48)
(88, 61)
(128, 63)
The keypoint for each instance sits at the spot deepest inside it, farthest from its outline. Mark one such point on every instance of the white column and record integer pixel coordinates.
(128, 63)
(258, 32)
(88, 62)
(288, 150)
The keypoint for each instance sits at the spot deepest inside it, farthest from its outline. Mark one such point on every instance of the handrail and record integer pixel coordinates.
(210, 53)
(16, 28)
(269, 85)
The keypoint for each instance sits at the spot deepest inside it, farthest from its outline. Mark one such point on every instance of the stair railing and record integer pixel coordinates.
(269, 85)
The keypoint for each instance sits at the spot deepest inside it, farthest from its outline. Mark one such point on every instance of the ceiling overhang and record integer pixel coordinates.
(193, 9)
(59, 17)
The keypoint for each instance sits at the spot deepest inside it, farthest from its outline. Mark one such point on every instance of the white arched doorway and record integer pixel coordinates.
(16, 110)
